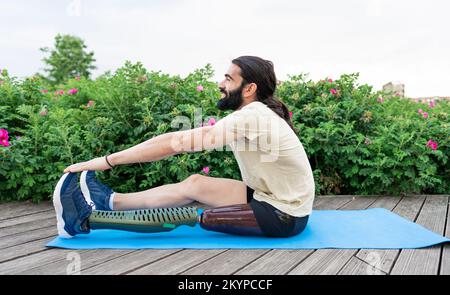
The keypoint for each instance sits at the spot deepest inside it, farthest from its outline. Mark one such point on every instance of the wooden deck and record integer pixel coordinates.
(25, 228)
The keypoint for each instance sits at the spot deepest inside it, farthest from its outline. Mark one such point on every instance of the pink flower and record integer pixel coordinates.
(333, 91)
(380, 99)
(4, 137)
(432, 104)
(44, 91)
(330, 80)
(205, 170)
(4, 142)
(43, 113)
(199, 88)
(59, 92)
(425, 115)
(90, 103)
(4, 133)
(420, 111)
(432, 144)
(211, 122)
(77, 78)
(73, 91)
(291, 114)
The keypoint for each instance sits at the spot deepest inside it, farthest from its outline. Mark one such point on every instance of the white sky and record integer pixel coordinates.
(385, 40)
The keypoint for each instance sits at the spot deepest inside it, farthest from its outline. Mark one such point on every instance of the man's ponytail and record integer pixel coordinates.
(280, 109)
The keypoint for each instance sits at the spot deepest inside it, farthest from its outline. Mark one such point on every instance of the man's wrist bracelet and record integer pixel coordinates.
(106, 158)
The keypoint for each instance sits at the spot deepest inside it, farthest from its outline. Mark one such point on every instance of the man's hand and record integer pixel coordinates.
(97, 164)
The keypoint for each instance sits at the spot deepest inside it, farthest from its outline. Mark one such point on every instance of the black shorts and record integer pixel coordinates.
(273, 222)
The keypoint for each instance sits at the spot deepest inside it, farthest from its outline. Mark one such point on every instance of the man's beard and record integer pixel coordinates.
(232, 100)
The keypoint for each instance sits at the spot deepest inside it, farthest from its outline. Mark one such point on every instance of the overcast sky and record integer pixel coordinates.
(384, 40)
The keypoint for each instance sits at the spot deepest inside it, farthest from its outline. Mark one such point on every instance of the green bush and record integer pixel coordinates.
(365, 142)
(131, 106)
(356, 144)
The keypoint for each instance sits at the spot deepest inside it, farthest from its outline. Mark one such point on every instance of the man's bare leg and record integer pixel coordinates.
(214, 192)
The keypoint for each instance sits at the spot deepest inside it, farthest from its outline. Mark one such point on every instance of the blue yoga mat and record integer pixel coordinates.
(370, 229)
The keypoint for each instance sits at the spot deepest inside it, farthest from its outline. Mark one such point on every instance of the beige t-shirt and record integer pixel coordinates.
(271, 159)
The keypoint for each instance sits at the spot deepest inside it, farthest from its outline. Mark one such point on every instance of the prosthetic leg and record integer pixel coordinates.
(144, 221)
(236, 219)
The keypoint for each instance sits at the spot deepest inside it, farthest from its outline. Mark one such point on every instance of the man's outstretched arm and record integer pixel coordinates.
(161, 147)
(169, 144)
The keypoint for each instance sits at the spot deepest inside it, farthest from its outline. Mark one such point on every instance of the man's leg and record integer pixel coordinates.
(214, 192)
(230, 213)
(75, 214)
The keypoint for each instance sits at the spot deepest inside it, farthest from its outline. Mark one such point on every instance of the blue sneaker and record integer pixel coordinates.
(72, 210)
(95, 192)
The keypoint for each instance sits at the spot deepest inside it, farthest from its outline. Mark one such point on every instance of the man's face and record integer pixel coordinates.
(231, 88)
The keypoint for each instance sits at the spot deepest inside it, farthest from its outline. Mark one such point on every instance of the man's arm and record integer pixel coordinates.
(169, 144)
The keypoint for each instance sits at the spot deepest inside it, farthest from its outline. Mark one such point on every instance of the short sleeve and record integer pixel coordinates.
(243, 124)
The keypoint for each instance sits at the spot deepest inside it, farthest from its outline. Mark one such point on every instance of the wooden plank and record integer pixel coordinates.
(425, 261)
(359, 203)
(323, 262)
(409, 208)
(227, 262)
(356, 266)
(35, 217)
(445, 260)
(24, 249)
(27, 226)
(86, 259)
(177, 263)
(386, 202)
(330, 261)
(381, 259)
(21, 238)
(25, 208)
(328, 203)
(8, 205)
(128, 262)
(275, 262)
(34, 260)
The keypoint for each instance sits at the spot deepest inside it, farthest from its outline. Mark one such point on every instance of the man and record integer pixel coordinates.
(275, 197)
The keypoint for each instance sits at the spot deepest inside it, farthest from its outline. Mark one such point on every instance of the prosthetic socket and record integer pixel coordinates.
(236, 219)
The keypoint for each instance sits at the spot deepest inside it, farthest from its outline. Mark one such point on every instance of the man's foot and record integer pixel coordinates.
(95, 192)
(72, 210)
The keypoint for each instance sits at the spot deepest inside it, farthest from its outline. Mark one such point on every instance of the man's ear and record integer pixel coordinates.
(250, 89)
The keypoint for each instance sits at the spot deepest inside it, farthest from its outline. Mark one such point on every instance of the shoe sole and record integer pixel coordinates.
(59, 208)
(85, 189)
